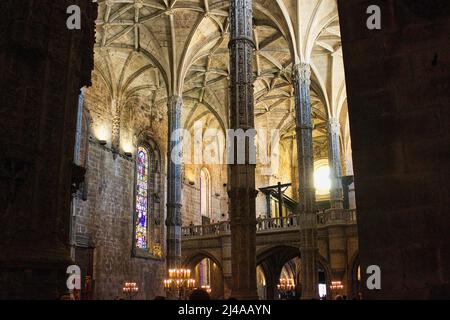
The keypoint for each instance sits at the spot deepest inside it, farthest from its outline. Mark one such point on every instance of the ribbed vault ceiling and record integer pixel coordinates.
(149, 49)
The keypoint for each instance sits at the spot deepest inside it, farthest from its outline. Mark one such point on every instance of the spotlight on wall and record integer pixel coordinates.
(102, 132)
(127, 147)
(102, 142)
(128, 154)
(192, 183)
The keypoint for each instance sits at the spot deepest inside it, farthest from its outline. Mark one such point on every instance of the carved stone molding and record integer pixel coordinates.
(174, 184)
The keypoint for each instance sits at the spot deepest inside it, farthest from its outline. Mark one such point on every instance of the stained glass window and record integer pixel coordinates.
(142, 167)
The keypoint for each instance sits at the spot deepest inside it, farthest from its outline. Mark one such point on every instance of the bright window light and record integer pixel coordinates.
(322, 290)
(322, 181)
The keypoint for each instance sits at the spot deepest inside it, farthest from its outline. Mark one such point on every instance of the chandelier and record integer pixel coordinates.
(286, 285)
(336, 285)
(130, 289)
(286, 288)
(179, 283)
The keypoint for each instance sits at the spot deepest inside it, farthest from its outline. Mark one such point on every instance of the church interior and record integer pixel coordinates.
(115, 150)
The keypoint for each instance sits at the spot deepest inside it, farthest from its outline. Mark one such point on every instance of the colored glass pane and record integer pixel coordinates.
(141, 198)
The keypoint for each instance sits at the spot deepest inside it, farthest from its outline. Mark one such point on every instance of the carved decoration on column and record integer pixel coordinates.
(242, 191)
(334, 160)
(308, 219)
(304, 127)
(115, 140)
(174, 180)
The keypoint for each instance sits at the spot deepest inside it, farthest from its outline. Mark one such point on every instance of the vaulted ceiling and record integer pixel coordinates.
(147, 50)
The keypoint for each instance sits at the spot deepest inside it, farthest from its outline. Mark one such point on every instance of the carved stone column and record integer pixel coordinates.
(308, 222)
(242, 191)
(173, 221)
(334, 160)
(294, 168)
(115, 140)
(43, 66)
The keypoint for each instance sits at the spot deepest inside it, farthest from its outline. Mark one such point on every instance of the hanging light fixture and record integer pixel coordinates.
(336, 285)
(179, 283)
(130, 289)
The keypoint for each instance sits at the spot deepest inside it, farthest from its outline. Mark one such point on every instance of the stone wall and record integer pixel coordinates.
(43, 66)
(398, 97)
(191, 193)
(191, 205)
(106, 220)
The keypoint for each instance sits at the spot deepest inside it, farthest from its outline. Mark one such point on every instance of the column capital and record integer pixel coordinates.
(174, 220)
(302, 72)
(334, 124)
(175, 99)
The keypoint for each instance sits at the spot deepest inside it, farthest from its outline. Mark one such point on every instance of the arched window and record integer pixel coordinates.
(204, 273)
(142, 207)
(322, 181)
(148, 208)
(205, 193)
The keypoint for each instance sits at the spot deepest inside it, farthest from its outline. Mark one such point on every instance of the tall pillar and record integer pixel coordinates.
(115, 140)
(173, 221)
(242, 191)
(308, 222)
(334, 160)
(43, 66)
(294, 168)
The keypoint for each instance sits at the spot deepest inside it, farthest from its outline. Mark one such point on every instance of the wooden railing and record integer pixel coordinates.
(271, 224)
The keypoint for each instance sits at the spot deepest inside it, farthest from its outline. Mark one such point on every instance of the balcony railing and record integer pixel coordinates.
(336, 217)
(204, 230)
(271, 224)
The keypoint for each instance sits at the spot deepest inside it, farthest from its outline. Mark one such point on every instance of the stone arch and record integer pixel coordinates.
(354, 286)
(217, 278)
(266, 252)
(278, 17)
(325, 265)
(145, 138)
(272, 260)
(223, 124)
(192, 260)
